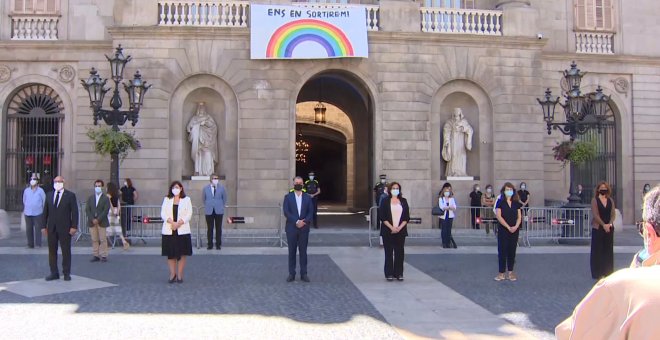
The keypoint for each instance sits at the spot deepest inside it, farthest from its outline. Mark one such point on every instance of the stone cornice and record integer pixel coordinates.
(203, 33)
(602, 58)
(101, 45)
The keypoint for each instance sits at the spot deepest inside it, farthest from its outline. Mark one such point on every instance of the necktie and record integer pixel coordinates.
(57, 199)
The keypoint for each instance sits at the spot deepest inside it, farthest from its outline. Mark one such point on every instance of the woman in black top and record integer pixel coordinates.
(475, 203)
(602, 233)
(128, 197)
(394, 215)
(509, 218)
(524, 196)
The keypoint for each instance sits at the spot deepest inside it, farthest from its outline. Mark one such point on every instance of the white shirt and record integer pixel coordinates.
(442, 203)
(397, 211)
(213, 190)
(98, 196)
(299, 202)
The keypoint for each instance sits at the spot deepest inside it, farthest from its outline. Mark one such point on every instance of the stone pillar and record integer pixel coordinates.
(136, 12)
(399, 16)
(4, 224)
(518, 18)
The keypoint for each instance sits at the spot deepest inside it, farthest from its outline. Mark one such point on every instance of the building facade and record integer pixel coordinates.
(384, 113)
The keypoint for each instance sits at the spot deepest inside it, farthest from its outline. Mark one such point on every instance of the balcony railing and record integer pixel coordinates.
(594, 42)
(34, 27)
(203, 13)
(232, 13)
(461, 21)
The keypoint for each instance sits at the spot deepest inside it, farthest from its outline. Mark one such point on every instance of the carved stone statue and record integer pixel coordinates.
(203, 134)
(456, 142)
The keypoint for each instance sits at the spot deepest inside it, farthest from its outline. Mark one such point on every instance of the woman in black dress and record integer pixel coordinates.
(128, 197)
(509, 217)
(602, 233)
(176, 213)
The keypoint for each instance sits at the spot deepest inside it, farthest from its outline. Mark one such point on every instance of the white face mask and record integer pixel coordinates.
(215, 182)
(489, 190)
(98, 190)
(477, 189)
(125, 184)
(176, 191)
(33, 182)
(311, 178)
(58, 186)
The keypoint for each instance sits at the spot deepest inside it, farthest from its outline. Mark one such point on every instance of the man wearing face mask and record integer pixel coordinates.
(379, 188)
(298, 211)
(475, 202)
(313, 189)
(96, 209)
(214, 198)
(625, 304)
(34, 199)
(61, 222)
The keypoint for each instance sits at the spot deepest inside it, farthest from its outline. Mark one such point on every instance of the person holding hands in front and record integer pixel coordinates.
(447, 203)
(394, 215)
(509, 216)
(176, 213)
(602, 234)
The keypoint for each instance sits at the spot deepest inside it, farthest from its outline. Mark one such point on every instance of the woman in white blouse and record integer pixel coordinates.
(176, 213)
(394, 215)
(447, 203)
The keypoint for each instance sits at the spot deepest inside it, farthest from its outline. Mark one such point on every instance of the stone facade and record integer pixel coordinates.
(401, 96)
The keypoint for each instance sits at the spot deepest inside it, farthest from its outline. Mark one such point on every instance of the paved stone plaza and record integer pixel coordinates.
(240, 292)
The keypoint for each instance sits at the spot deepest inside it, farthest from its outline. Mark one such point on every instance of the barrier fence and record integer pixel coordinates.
(143, 222)
(545, 223)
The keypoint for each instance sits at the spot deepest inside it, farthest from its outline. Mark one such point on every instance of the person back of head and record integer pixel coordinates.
(651, 220)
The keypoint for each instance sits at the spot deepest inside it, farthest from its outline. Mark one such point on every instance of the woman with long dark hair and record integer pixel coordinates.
(602, 233)
(509, 216)
(114, 214)
(394, 215)
(447, 203)
(129, 196)
(176, 213)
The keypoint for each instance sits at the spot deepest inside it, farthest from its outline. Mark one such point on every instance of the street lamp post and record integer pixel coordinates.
(135, 88)
(582, 113)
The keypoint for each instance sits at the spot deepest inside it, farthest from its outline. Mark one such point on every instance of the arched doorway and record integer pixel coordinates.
(344, 142)
(35, 114)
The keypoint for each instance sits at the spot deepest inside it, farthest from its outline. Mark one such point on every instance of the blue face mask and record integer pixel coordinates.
(395, 192)
(508, 193)
(447, 193)
(98, 190)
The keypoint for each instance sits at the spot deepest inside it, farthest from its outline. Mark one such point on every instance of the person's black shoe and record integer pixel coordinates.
(209, 247)
(290, 278)
(172, 280)
(304, 278)
(179, 280)
(104, 259)
(218, 248)
(67, 277)
(52, 277)
(95, 259)
(399, 278)
(316, 227)
(389, 278)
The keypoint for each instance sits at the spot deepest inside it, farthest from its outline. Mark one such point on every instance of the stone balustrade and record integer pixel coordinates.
(461, 21)
(594, 42)
(34, 27)
(203, 13)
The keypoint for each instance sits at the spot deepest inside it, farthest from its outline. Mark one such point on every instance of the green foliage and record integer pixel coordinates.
(106, 141)
(577, 152)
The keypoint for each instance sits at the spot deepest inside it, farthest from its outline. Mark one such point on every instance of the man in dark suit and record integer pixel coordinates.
(298, 210)
(61, 216)
(96, 209)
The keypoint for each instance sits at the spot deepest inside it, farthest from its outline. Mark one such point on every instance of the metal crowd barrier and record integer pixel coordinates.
(558, 223)
(246, 222)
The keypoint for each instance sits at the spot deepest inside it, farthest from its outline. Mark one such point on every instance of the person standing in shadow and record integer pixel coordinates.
(61, 223)
(298, 211)
(394, 215)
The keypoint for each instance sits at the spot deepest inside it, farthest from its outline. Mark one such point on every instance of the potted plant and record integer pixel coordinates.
(107, 141)
(576, 152)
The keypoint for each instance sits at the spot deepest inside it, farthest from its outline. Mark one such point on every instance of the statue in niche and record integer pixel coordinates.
(203, 134)
(456, 142)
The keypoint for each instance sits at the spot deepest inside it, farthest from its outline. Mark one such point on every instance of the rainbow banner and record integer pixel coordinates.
(295, 32)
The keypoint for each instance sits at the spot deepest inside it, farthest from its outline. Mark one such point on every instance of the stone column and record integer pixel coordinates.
(399, 16)
(518, 18)
(136, 12)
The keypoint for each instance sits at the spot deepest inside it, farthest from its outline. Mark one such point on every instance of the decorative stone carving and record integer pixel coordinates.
(203, 134)
(456, 142)
(66, 73)
(621, 85)
(5, 73)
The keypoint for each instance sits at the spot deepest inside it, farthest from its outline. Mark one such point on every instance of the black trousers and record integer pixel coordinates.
(445, 233)
(315, 220)
(474, 213)
(126, 218)
(297, 241)
(394, 254)
(507, 244)
(64, 241)
(214, 221)
(602, 253)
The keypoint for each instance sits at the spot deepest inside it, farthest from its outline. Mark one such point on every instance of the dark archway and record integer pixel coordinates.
(350, 95)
